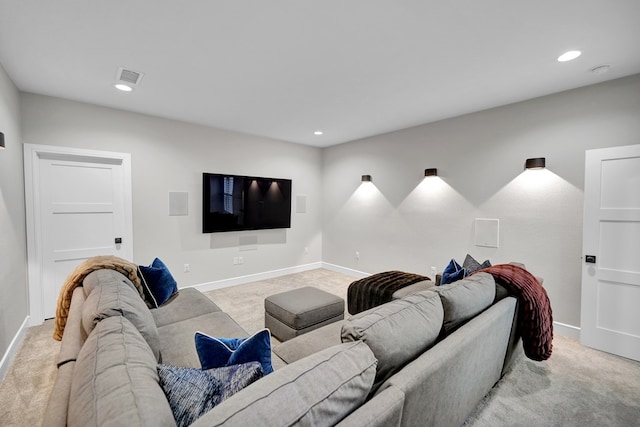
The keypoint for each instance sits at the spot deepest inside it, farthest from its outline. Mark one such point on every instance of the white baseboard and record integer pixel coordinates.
(218, 284)
(566, 330)
(241, 280)
(13, 348)
(345, 270)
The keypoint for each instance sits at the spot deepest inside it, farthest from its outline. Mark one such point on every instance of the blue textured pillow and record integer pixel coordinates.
(216, 352)
(452, 273)
(158, 282)
(192, 392)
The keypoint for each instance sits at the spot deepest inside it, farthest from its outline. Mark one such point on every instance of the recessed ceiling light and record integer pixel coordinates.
(568, 56)
(318, 132)
(123, 88)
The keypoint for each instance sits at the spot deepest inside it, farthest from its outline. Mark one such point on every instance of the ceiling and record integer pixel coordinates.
(286, 68)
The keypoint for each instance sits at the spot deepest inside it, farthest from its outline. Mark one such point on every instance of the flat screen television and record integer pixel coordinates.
(235, 203)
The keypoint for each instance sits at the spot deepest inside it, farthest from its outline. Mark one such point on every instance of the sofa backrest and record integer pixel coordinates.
(109, 293)
(318, 390)
(383, 410)
(398, 331)
(444, 384)
(115, 381)
(466, 298)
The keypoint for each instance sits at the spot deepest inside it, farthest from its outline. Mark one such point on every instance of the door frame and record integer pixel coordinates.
(32, 154)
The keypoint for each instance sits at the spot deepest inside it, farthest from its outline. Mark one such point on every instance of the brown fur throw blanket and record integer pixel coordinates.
(378, 289)
(535, 320)
(77, 276)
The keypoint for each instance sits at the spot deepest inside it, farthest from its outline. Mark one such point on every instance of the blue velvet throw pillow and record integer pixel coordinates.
(192, 392)
(158, 282)
(452, 273)
(217, 352)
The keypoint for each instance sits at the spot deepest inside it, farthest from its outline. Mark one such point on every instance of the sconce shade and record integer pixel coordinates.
(535, 163)
(431, 172)
(1, 140)
(366, 178)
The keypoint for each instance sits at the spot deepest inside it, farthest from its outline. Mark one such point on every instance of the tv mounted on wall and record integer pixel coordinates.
(235, 203)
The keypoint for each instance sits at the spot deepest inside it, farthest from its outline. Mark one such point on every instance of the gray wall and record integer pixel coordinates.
(169, 156)
(13, 241)
(405, 222)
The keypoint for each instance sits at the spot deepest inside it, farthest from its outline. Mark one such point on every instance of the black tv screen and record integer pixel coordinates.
(234, 203)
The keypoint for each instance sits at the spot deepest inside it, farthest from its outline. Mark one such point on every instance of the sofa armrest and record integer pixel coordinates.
(74, 335)
(55, 414)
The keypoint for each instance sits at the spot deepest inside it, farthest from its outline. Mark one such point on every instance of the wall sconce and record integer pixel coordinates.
(431, 172)
(366, 178)
(1, 140)
(535, 163)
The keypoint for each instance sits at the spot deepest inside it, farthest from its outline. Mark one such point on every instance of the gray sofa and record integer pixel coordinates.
(424, 359)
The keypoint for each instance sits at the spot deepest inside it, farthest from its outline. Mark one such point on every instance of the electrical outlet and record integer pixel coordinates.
(240, 260)
(187, 268)
(357, 255)
(235, 260)
(433, 273)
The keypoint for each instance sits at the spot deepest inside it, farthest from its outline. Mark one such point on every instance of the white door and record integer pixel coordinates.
(610, 319)
(79, 203)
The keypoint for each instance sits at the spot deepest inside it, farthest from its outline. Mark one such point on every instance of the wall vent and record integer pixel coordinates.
(129, 76)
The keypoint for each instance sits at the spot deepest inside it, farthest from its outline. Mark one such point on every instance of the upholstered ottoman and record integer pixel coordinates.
(301, 310)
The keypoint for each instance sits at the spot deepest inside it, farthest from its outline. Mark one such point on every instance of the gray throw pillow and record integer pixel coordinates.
(398, 331)
(471, 265)
(465, 298)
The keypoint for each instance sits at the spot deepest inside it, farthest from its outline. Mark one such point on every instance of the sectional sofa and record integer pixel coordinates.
(424, 359)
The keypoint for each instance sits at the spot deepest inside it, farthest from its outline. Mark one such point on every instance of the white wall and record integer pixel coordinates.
(171, 156)
(407, 223)
(13, 249)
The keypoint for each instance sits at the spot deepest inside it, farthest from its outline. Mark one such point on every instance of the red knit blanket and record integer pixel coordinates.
(535, 320)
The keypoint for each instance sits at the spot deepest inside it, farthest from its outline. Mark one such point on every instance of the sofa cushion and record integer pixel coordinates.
(398, 331)
(113, 297)
(177, 345)
(115, 381)
(218, 352)
(188, 303)
(158, 283)
(318, 390)
(192, 392)
(465, 298)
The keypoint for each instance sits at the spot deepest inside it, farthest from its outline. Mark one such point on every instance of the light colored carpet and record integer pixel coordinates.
(577, 387)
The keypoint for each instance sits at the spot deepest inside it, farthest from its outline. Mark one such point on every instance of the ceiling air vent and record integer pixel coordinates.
(129, 76)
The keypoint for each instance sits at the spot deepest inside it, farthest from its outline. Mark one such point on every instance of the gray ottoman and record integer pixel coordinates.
(301, 310)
